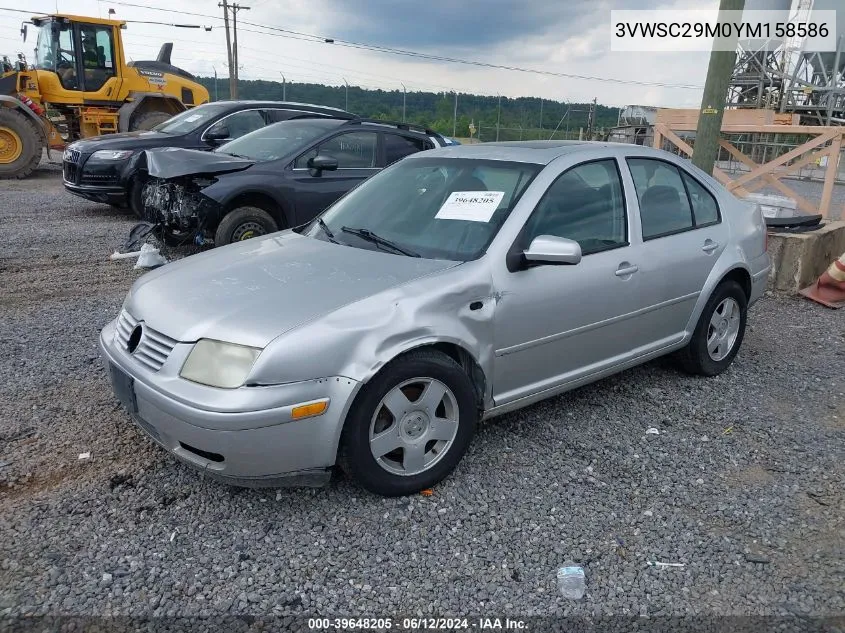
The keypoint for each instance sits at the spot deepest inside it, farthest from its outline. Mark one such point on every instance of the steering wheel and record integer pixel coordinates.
(65, 57)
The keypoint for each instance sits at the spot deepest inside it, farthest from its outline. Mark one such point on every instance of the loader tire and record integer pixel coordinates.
(148, 120)
(20, 144)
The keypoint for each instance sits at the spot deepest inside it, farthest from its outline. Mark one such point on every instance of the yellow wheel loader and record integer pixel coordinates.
(81, 85)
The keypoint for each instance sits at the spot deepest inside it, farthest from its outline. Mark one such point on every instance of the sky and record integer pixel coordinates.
(569, 36)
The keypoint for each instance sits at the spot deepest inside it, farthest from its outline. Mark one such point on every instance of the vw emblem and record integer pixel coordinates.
(134, 339)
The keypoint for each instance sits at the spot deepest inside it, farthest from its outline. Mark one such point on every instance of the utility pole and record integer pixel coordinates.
(235, 8)
(284, 87)
(404, 98)
(455, 119)
(216, 96)
(591, 115)
(498, 116)
(346, 83)
(225, 6)
(715, 91)
(540, 135)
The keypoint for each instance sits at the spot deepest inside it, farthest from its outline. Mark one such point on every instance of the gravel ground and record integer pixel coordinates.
(744, 484)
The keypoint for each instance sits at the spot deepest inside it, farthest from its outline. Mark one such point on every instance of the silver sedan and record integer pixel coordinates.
(457, 285)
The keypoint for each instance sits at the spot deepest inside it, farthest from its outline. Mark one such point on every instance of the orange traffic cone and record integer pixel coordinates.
(829, 290)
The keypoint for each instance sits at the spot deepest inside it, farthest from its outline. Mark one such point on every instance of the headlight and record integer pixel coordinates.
(108, 154)
(219, 364)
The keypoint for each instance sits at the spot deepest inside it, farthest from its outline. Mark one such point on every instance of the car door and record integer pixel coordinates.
(558, 323)
(357, 155)
(682, 237)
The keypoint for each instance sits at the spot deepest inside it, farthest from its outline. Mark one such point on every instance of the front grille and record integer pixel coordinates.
(70, 172)
(70, 166)
(153, 348)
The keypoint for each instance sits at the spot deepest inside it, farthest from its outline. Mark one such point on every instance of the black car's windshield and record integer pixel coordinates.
(279, 139)
(190, 120)
(438, 208)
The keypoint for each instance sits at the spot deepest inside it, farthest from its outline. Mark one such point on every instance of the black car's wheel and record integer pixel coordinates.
(718, 333)
(134, 196)
(148, 120)
(244, 223)
(410, 425)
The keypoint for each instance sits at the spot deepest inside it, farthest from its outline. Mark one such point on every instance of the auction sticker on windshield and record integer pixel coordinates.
(474, 206)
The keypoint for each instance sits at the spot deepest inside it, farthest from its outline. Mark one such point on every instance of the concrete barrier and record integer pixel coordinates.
(799, 258)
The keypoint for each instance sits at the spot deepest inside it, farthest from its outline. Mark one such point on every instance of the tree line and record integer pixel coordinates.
(517, 118)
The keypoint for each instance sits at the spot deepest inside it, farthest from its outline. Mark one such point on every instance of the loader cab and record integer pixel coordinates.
(82, 54)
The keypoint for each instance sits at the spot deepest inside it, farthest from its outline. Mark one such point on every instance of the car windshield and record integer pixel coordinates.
(438, 208)
(190, 120)
(279, 139)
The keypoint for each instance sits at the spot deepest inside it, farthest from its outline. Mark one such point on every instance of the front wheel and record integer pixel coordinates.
(244, 223)
(719, 332)
(410, 425)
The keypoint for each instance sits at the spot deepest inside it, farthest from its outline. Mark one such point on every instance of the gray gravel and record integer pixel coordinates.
(743, 484)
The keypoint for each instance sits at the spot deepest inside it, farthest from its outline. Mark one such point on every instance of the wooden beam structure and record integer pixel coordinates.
(826, 142)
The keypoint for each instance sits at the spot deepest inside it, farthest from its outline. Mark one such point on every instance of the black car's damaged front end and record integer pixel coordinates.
(179, 210)
(173, 198)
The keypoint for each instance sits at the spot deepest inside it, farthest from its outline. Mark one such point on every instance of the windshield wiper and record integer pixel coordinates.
(238, 155)
(367, 234)
(327, 231)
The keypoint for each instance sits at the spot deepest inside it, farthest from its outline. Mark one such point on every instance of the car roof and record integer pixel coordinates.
(288, 105)
(538, 152)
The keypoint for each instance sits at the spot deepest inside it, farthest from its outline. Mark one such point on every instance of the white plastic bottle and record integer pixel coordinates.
(570, 581)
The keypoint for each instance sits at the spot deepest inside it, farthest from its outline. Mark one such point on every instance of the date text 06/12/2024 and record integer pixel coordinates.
(416, 624)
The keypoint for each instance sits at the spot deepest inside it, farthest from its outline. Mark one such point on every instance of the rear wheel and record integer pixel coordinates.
(719, 332)
(148, 120)
(244, 223)
(410, 425)
(20, 144)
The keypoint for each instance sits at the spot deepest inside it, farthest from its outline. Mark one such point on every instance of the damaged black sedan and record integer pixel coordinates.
(277, 177)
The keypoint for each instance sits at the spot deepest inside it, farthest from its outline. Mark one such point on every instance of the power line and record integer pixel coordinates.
(415, 54)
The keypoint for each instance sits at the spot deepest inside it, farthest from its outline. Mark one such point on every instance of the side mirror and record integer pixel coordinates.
(548, 249)
(217, 133)
(322, 162)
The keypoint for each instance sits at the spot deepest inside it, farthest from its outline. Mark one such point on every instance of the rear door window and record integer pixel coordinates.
(664, 206)
(397, 147)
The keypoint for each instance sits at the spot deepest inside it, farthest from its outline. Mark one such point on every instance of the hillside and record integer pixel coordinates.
(519, 117)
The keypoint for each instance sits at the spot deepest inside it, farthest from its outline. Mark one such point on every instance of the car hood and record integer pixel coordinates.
(126, 140)
(172, 162)
(252, 292)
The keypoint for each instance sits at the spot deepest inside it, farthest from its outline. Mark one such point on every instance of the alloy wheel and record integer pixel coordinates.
(413, 426)
(723, 329)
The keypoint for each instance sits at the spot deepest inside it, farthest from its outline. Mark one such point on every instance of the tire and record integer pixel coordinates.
(20, 144)
(696, 358)
(147, 120)
(243, 223)
(409, 377)
(133, 196)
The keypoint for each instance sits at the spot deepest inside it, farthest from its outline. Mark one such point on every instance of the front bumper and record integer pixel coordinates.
(259, 446)
(106, 195)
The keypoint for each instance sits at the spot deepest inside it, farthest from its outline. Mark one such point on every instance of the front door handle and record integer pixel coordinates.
(626, 269)
(709, 246)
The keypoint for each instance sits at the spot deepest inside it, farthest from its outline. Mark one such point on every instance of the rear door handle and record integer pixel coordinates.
(709, 246)
(625, 269)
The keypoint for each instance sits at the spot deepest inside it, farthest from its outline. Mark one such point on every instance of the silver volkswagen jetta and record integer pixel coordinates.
(458, 284)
